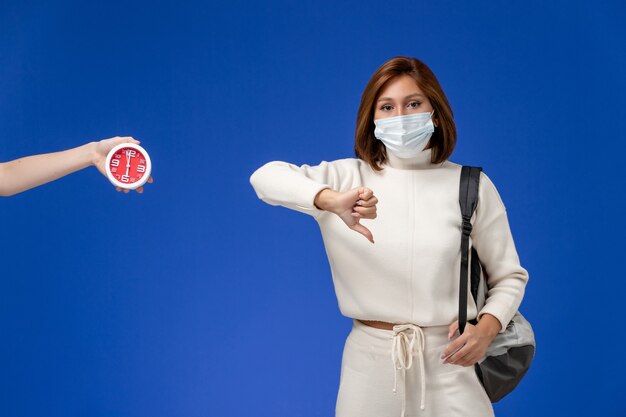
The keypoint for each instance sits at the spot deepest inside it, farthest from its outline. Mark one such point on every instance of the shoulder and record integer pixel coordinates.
(489, 192)
(487, 188)
(456, 167)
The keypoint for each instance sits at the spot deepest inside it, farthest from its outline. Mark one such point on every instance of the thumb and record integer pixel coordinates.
(105, 145)
(453, 328)
(126, 139)
(364, 231)
(355, 193)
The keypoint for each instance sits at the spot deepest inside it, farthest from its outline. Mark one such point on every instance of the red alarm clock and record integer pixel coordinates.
(128, 166)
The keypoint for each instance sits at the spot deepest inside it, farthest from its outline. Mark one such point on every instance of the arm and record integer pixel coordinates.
(29, 172)
(323, 199)
(491, 236)
(296, 187)
(328, 187)
(32, 171)
(506, 282)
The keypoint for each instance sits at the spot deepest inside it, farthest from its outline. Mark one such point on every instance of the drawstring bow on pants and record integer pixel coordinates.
(406, 337)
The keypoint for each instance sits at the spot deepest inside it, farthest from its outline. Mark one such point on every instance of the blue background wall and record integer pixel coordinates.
(223, 305)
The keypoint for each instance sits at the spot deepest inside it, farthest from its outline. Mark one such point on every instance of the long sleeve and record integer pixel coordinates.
(295, 187)
(491, 236)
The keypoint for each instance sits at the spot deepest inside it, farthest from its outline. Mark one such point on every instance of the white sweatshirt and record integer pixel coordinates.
(411, 273)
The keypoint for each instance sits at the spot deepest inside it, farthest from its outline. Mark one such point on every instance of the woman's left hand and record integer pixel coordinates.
(471, 345)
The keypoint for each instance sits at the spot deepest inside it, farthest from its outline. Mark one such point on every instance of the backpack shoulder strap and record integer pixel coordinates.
(468, 199)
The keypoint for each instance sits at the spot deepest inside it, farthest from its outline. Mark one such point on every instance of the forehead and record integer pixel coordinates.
(400, 87)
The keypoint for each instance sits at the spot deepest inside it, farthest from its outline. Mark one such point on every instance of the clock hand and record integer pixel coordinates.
(127, 162)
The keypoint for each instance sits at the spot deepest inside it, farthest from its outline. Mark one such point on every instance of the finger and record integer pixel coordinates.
(365, 211)
(364, 231)
(452, 329)
(469, 360)
(450, 358)
(358, 215)
(118, 189)
(139, 190)
(366, 194)
(454, 346)
(460, 357)
(150, 179)
(126, 191)
(367, 203)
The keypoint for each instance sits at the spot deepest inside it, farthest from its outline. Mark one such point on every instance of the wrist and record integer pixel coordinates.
(323, 199)
(489, 324)
(91, 150)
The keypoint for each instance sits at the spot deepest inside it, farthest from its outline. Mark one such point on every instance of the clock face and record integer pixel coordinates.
(128, 166)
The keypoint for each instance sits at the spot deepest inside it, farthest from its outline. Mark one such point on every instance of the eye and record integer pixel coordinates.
(417, 104)
(383, 107)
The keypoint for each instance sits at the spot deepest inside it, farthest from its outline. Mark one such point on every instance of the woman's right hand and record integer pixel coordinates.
(351, 206)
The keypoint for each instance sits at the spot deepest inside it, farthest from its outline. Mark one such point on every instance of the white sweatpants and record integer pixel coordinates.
(375, 361)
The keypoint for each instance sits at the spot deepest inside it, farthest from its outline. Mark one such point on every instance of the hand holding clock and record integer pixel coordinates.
(107, 159)
(28, 172)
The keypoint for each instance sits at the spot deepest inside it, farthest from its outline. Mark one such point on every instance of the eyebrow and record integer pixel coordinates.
(409, 96)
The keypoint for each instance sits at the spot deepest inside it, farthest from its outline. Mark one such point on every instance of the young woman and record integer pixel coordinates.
(404, 355)
(29, 172)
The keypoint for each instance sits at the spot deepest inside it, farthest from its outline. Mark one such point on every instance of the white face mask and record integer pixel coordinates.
(407, 135)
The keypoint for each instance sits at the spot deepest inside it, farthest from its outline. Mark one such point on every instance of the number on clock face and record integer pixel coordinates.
(128, 165)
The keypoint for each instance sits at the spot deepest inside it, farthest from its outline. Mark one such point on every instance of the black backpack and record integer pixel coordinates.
(510, 353)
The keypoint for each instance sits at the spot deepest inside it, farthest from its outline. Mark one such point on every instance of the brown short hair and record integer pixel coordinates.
(443, 140)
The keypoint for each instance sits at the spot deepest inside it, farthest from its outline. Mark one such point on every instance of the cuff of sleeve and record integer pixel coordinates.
(306, 196)
(499, 311)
